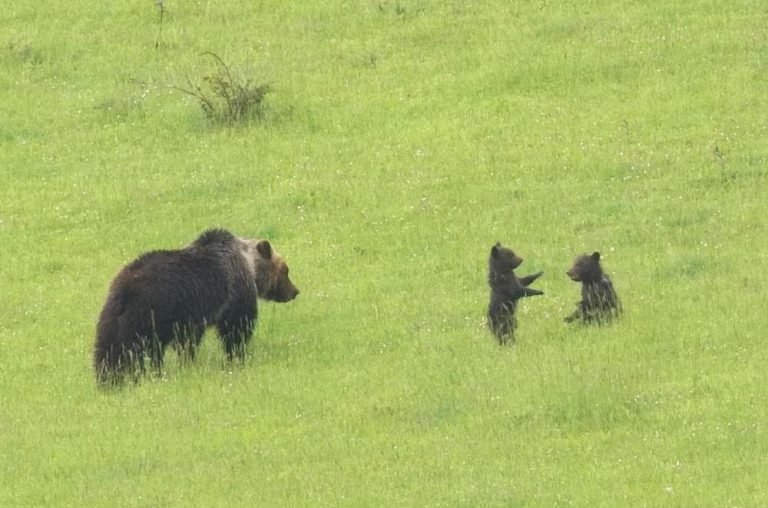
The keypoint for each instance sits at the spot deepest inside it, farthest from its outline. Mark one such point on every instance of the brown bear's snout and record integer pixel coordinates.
(284, 292)
(292, 293)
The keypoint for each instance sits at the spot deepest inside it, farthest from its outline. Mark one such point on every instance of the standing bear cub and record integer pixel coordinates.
(506, 290)
(599, 303)
(171, 296)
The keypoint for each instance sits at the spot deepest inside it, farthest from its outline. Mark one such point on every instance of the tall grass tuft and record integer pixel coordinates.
(227, 99)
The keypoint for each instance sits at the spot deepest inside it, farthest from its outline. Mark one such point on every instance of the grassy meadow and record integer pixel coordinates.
(401, 140)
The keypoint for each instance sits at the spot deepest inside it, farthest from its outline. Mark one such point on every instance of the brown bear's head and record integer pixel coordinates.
(503, 260)
(586, 268)
(272, 280)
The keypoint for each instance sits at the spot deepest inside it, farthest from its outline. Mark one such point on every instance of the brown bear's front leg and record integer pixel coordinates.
(525, 281)
(573, 317)
(235, 332)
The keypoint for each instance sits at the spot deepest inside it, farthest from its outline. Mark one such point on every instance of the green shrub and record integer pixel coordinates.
(227, 99)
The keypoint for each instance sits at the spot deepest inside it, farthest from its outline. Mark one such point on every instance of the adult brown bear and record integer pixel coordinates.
(171, 296)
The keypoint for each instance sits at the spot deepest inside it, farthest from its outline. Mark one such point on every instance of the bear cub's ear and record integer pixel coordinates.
(495, 250)
(265, 249)
(596, 256)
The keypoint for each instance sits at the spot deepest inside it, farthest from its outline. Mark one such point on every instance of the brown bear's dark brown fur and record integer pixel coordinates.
(599, 303)
(171, 296)
(506, 290)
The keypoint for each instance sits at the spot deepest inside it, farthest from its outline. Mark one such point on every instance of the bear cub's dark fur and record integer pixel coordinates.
(506, 290)
(171, 296)
(599, 302)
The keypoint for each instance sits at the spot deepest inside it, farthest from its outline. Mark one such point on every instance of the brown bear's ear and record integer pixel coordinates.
(265, 249)
(596, 256)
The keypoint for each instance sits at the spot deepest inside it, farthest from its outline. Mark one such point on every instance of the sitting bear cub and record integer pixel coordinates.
(599, 303)
(171, 296)
(506, 290)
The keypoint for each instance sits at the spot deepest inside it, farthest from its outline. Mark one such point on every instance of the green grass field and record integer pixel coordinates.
(401, 140)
